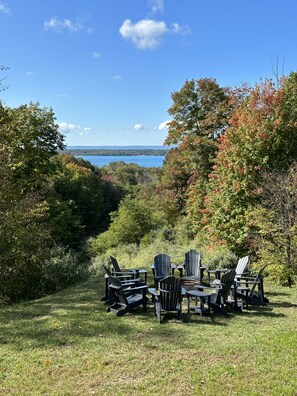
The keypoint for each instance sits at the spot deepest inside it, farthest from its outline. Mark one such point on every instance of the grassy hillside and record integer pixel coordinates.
(65, 344)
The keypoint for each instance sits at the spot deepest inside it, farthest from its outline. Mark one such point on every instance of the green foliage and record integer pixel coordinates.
(62, 268)
(221, 258)
(45, 200)
(200, 113)
(80, 184)
(79, 201)
(132, 255)
(24, 242)
(127, 176)
(274, 224)
(129, 224)
(280, 274)
(29, 138)
(65, 224)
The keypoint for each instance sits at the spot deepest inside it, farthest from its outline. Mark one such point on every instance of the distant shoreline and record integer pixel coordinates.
(125, 151)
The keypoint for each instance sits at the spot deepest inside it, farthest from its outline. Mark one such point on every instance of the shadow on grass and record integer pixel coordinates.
(254, 310)
(283, 304)
(276, 294)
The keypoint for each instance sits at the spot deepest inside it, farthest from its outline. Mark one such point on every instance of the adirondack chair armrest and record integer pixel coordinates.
(202, 287)
(143, 287)
(247, 283)
(248, 278)
(128, 284)
(217, 270)
(122, 274)
(243, 274)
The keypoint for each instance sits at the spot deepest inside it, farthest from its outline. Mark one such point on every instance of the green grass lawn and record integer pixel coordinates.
(66, 344)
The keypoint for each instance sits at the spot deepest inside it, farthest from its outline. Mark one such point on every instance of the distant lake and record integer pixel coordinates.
(148, 161)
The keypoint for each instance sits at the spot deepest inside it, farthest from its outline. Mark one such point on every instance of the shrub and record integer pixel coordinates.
(220, 257)
(63, 268)
(277, 272)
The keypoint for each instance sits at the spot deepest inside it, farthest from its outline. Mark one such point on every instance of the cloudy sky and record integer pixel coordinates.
(108, 67)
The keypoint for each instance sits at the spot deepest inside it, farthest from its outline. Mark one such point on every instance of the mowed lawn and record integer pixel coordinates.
(66, 344)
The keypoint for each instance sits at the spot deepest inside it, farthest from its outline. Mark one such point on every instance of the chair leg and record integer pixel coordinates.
(158, 311)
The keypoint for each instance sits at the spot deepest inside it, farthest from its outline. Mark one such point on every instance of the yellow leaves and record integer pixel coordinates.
(77, 170)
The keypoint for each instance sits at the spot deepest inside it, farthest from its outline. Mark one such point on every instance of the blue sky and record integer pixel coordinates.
(108, 67)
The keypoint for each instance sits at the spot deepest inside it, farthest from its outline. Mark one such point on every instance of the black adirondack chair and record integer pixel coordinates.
(162, 267)
(136, 272)
(225, 293)
(169, 299)
(191, 271)
(126, 299)
(126, 279)
(251, 289)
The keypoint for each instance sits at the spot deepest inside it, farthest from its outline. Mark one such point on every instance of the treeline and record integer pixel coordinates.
(229, 184)
(109, 152)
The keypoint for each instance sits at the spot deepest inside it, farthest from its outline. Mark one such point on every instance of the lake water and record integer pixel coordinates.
(147, 161)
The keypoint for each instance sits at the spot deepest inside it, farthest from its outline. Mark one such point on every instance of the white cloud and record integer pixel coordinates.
(64, 96)
(60, 25)
(183, 30)
(4, 8)
(164, 125)
(96, 55)
(156, 6)
(65, 127)
(144, 34)
(116, 77)
(29, 73)
(138, 127)
(148, 33)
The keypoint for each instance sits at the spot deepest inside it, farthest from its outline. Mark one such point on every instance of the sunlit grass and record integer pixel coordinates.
(66, 344)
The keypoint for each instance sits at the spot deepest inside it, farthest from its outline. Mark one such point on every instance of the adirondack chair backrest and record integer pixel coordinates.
(227, 280)
(170, 293)
(162, 265)
(192, 263)
(115, 264)
(241, 265)
(256, 280)
(107, 270)
(117, 290)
